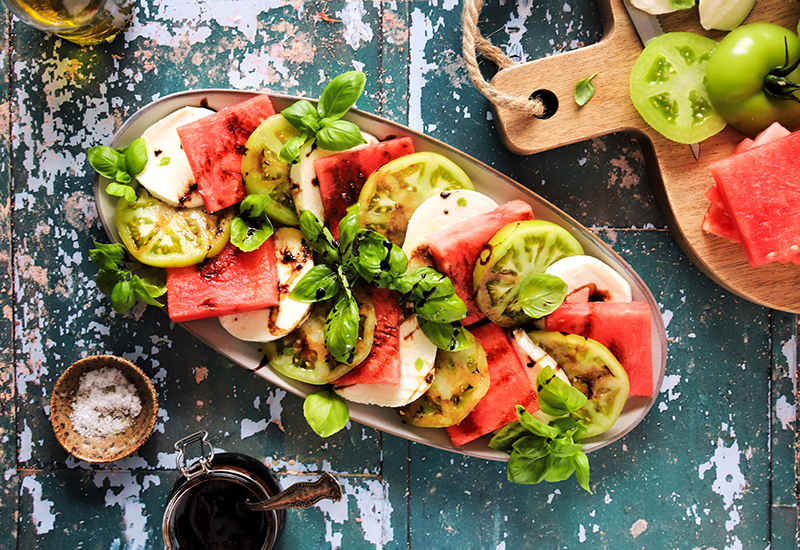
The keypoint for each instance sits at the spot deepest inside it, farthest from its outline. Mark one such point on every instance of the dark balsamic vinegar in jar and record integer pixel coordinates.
(212, 515)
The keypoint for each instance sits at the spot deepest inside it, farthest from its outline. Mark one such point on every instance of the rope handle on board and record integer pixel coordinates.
(473, 41)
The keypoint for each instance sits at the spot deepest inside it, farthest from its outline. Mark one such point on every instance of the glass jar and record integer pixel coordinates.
(206, 507)
(84, 22)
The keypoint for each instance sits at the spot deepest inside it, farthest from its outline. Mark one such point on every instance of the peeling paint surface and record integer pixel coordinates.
(713, 465)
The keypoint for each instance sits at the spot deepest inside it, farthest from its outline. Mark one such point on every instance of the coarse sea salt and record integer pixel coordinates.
(106, 403)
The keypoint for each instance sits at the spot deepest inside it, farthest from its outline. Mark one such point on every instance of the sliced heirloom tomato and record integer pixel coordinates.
(265, 174)
(668, 90)
(461, 379)
(594, 371)
(394, 191)
(160, 235)
(516, 252)
(302, 355)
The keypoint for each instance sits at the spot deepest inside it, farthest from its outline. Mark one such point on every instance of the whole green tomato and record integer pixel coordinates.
(751, 77)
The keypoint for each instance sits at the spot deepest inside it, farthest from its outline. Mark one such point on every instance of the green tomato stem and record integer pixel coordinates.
(781, 87)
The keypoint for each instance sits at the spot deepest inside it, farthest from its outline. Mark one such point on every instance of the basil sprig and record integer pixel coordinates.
(117, 278)
(119, 165)
(546, 452)
(252, 226)
(584, 90)
(365, 255)
(323, 122)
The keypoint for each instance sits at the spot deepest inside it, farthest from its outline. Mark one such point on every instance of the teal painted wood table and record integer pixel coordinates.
(713, 465)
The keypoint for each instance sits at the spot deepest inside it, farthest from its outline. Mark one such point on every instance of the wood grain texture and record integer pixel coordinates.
(678, 180)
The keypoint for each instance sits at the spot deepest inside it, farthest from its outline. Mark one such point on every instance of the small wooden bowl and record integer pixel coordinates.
(99, 449)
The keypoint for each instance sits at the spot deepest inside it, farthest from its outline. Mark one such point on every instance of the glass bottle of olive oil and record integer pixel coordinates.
(84, 22)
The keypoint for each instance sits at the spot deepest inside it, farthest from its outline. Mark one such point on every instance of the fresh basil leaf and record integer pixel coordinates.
(375, 258)
(581, 463)
(541, 294)
(445, 336)
(142, 292)
(535, 426)
(105, 160)
(123, 296)
(532, 446)
(325, 412)
(561, 468)
(340, 94)
(291, 149)
(682, 4)
(339, 135)
(557, 397)
(432, 294)
(584, 90)
(568, 424)
(341, 328)
(107, 256)
(319, 283)
(564, 447)
(303, 116)
(154, 286)
(123, 191)
(348, 226)
(107, 279)
(136, 156)
(164, 161)
(522, 469)
(252, 227)
(508, 434)
(318, 237)
(123, 177)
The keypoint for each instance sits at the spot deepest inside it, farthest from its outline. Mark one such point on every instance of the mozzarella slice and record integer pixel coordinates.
(437, 212)
(588, 279)
(167, 175)
(304, 185)
(264, 325)
(417, 356)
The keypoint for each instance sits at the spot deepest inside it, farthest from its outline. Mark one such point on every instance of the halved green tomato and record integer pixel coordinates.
(461, 379)
(593, 370)
(392, 193)
(515, 252)
(161, 235)
(265, 174)
(302, 355)
(667, 87)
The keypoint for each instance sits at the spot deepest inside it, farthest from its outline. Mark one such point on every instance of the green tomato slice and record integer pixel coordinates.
(161, 235)
(667, 87)
(393, 192)
(302, 355)
(461, 379)
(265, 174)
(515, 252)
(594, 371)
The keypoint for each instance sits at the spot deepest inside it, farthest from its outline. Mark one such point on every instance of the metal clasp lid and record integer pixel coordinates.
(203, 463)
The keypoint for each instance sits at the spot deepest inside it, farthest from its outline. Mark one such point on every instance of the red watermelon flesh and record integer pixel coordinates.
(717, 221)
(382, 365)
(341, 176)
(215, 145)
(760, 190)
(455, 249)
(622, 327)
(231, 282)
(508, 387)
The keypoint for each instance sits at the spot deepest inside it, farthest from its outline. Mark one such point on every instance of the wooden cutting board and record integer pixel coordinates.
(678, 180)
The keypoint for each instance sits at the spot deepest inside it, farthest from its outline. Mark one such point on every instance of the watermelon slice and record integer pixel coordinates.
(382, 365)
(508, 387)
(760, 190)
(341, 176)
(622, 327)
(456, 248)
(214, 146)
(231, 282)
(717, 220)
